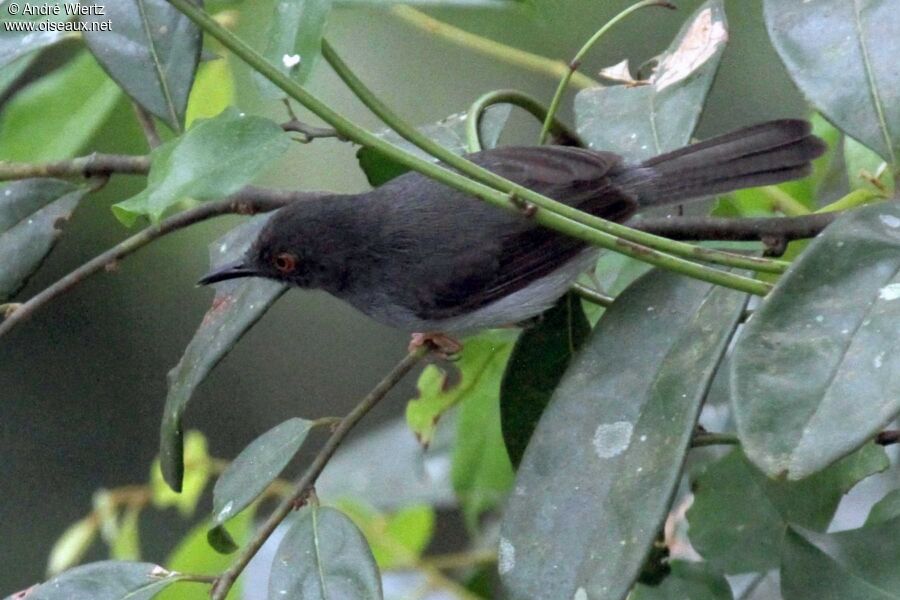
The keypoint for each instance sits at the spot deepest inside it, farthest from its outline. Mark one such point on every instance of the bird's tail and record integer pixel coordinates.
(762, 154)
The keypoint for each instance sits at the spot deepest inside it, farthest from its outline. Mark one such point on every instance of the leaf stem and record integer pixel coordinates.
(226, 580)
(492, 48)
(709, 438)
(579, 56)
(560, 130)
(593, 296)
(852, 200)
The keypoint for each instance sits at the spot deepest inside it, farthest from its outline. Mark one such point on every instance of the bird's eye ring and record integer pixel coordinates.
(285, 262)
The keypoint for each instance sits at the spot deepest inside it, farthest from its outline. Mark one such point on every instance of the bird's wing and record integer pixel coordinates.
(482, 253)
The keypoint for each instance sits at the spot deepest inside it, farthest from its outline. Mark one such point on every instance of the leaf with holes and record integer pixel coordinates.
(449, 132)
(107, 580)
(538, 361)
(151, 51)
(843, 57)
(816, 372)
(294, 40)
(31, 214)
(324, 556)
(599, 474)
(237, 306)
(645, 120)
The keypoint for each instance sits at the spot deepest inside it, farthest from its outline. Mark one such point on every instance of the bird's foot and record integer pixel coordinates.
(441, 344)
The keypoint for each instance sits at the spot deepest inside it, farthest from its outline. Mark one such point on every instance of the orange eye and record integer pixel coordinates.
(285, 262)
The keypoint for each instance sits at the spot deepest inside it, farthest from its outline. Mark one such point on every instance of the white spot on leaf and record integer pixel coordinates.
(225, 512)
(879, 360)
(889, 292)
(611, 439)
(890, 220)
(580, 594)
(506, 558)
(290, 60)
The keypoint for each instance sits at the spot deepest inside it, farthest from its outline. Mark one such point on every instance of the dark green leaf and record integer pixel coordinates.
(193, 482)
(598, 477)
(449, 132)
(813, 375)
(31, 214)
(151, 51)
(645, 120)
(256, 467)
(851, 565)
(739, 516)
(216, 157)
(323, 556)
(687, 581)
(54, 117)
(237, 306)
(294, 40)
(10, 73)
(885, 509)
(220, 540)
(842, 55)
(538, 361)
(15, 38)
(107, 580)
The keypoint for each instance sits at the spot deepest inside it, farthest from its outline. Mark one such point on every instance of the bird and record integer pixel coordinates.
(420, 256)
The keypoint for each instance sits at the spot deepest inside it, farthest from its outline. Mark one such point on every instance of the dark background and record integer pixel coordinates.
(82, 384)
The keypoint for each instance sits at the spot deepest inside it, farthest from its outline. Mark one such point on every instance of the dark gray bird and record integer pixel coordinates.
(421, 256)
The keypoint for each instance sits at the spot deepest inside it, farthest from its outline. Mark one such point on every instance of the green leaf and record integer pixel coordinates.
(237, 306)
(10, 73)
(107, 580)
(18, 38)
(257, 466)
(152, 52)
(481, 472)
(441, 388)
(32, 212)
(194, 555)
(813, 375)
(885, 509)
(538, 361)
(213, 91)
(739, 516)
(294, 40)
(216, 157)
(323, 556)
(72, 545)
(646, 120)
(688, 580)
(851, 565)
(863, 165)
(433, 3)
(127, 544)
(54, 117)
(598, 477)
(842, 56)
(193, 480)
(397, 540)
(449, 132)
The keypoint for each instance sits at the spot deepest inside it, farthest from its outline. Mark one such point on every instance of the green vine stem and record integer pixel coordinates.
(473, 136)
(555, 215)
(853, 200)
(519, 196)
(576, 62)
(488, 47)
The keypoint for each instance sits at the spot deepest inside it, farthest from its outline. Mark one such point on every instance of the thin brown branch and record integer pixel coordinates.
(93, 165)
(310, 132)
(250, 200)
(308, 479)
(148, 126)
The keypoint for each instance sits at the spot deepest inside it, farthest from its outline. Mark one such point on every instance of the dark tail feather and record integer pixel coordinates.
(763, 154)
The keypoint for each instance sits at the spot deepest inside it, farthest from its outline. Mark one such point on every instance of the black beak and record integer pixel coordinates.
(229, 271)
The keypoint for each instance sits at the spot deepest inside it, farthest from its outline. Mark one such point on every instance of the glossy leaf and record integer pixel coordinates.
(739, 516)
(72, 545)
(814, 374)
(440, 388)
(842, 56)
(257, 466)
(323, 556)
(598, 477)
(17, 41)
(216, 157)
(851, 565)
(645, 120)
(687, 581)
(213, 91)
(449, 132)
(32, 212)
(237, 306)
(54, 117)
(294, 40)
(397, 540)
(538, 361)
(885, 509)
(151, 51)
(107, 580)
